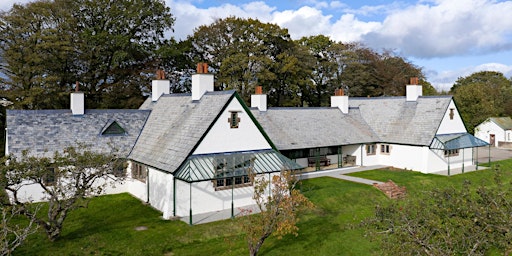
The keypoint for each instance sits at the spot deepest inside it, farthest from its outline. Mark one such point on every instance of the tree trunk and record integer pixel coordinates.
(253, 250)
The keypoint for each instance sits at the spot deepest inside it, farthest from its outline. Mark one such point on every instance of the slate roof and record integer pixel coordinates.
(382, 119)
(396, 120)
(504, 123)
(43, 132)
(296, 128)
(175, 127)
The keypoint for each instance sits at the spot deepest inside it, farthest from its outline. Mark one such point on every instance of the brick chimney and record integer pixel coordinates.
(258, 99)
(340, 100)
(413, 90)
(77, 101)
(202, 82)
(159, 85)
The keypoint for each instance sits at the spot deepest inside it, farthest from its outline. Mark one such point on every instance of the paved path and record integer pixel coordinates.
(340, 174)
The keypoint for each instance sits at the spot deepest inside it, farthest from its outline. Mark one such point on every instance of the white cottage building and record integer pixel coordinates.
(414, 132)
(496, 131)
(190, 153)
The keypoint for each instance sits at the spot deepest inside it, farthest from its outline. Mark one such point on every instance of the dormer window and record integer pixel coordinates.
(113, 129)
(233, 120)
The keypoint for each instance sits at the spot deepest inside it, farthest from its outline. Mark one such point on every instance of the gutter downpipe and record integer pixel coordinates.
(147, 184)
(362, 146)
(174, 196)
(190, 211)
(476, 159)
(489, 155)
(449, 164)
(463, 159)
(232, 200)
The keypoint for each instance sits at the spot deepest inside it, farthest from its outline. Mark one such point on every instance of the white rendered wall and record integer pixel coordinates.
(404, 157)
(205, 199)
(161, 192)
(508, 136)
(222, 138)
(30, 192)
(485, 129)
(438, 162)
(455, 125)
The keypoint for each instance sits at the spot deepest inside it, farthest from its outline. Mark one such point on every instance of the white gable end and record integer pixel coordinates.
(452, 121)
(228, 135)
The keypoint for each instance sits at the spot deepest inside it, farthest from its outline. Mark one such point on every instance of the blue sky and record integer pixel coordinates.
(447, 38)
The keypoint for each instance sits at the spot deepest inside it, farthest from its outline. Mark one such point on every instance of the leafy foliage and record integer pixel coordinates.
(482, 95)
(67, 181)
(278, 210)
(470, 220)
(108, 46)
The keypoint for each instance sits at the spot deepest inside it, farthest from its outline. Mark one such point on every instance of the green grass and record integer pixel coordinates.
(107, 226)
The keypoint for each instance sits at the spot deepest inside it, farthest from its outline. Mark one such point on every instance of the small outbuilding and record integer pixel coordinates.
(497, 131)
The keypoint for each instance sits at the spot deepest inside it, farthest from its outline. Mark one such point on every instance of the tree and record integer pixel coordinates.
(13, 234)
(482, 95)
(110, 47)
(68, 180)
(469, 220)
(324, 68)
(278, 211)
(246, 53)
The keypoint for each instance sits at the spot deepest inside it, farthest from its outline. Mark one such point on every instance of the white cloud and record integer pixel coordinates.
(305, 21)
(444, 80)
(446, 28)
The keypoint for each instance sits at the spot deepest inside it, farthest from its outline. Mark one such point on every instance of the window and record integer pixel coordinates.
(452, 113)
(371, 149)
(114, 129)
(233, 119)
(139, 172)
(232, 173)
(385, 149)
(49, 177)
(451, 152)
(119, 168)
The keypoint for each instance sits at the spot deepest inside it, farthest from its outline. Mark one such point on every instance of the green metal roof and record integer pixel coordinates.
(212, 166)
(456, 141)
(504, 123)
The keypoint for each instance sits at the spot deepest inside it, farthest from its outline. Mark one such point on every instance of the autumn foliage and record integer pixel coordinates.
(279, 203)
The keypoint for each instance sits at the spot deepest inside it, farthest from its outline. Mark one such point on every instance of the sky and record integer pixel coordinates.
(448, 39)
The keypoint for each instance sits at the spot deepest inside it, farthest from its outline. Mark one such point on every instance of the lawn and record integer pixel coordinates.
(108, 225)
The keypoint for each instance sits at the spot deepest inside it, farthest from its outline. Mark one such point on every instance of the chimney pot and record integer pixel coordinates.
(339, 92)
(202, 68)
(414, 81)
(205, 68)
(258, 89)
(160, 75)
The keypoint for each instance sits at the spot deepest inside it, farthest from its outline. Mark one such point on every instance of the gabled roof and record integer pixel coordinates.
(504, 123)
(43, 132)
(457, 141)
(396, 120)
(175, 128)
(199, 167)
(296, 128)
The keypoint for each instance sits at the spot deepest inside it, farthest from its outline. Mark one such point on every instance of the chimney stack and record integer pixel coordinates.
(340, 100)
(77, 101)
(413, 90)
(259, 100)
(202, 82)
(160, 85)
